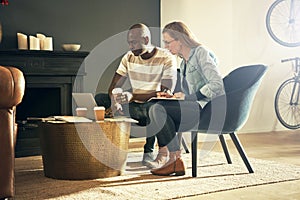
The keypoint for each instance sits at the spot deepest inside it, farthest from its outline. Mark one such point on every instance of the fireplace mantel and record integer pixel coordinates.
(38, 63)
(51, 77)
(49, 69)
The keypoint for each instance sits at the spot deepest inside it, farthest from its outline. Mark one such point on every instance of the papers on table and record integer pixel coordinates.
(72, 119)
(43, 119)
(165, 99)
(60, 119)
(121, 119)
(76, 119)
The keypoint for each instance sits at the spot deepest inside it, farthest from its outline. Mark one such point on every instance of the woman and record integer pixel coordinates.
(200, 82)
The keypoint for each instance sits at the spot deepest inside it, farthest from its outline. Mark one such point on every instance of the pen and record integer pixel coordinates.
(167, 91)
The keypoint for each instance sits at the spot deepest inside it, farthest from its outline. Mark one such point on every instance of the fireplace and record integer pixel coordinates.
(50, 77)
(46, 101)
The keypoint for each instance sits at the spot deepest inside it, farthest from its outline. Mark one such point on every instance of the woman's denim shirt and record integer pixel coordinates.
(202, 74)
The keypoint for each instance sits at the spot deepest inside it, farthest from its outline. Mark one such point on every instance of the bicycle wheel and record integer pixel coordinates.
(287, 104)
(283, 22)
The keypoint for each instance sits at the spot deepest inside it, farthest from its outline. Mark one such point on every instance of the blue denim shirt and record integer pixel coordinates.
(202, 74)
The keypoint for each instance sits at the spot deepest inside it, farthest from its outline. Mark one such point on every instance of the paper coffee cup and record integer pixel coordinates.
(115, 92)
(99, 113)
(81, 112)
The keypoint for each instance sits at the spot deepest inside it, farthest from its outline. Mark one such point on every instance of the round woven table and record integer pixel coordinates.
(89, 150)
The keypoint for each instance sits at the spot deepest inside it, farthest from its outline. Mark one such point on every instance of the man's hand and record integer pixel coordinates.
(165, 94)
(116, 107)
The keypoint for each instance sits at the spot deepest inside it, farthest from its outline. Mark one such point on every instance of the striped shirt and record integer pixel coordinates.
(145, 75)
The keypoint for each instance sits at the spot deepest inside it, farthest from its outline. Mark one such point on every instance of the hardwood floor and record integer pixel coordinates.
(277, 146)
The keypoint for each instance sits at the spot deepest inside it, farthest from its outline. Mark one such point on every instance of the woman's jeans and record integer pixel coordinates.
(171, 116)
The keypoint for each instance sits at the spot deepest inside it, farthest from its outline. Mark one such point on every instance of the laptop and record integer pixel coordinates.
(85, 100)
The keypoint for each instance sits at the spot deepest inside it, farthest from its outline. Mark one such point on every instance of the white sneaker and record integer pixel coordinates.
(147, 158)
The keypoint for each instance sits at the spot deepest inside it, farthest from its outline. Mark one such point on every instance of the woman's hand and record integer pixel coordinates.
(179, 95)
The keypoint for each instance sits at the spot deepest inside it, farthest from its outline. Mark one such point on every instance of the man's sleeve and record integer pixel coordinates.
(123, 66)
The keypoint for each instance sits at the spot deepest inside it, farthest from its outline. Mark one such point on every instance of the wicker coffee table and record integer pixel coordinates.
(87, 150)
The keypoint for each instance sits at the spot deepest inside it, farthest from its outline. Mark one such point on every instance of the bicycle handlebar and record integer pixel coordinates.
(291, 59)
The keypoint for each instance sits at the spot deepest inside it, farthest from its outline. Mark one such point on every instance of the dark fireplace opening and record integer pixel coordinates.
(36, 103)
(39, 102)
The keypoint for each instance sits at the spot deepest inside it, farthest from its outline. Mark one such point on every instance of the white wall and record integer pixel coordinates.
(235, 30)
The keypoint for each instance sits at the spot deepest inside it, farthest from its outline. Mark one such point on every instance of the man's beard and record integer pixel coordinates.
(137, 52)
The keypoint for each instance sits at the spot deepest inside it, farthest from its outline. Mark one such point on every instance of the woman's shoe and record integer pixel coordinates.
(175, 165)
(161, 159)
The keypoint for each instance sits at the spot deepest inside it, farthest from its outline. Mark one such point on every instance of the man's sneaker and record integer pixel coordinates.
(148, 157)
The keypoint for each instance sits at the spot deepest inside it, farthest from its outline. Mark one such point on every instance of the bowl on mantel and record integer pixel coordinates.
(70, 47)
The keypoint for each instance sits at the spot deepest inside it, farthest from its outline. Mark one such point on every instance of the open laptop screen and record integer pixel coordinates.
(85, 100)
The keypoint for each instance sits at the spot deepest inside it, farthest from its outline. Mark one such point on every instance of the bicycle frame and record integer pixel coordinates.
(296, 77)
(295, 87)
(287, 107)
(292, 13)
(297, 81)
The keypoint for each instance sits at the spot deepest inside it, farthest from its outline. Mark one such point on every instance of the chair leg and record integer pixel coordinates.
(185, 146)
(241, 151)
(194, 140)
(225, 149)
(182, 141)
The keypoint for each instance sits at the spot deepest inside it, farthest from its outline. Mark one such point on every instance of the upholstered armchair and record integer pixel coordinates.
(228, 113)
(12, 86)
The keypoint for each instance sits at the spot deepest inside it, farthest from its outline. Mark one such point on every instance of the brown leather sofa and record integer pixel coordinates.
(12, 86)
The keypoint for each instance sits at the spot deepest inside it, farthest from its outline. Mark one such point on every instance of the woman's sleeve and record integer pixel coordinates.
(214, 82)
(214, 86)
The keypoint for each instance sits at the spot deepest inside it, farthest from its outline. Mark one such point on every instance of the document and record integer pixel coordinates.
(72, 119)
(165, 98)
(120, 119)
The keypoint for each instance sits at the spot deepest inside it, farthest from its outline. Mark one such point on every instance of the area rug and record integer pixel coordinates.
(214, 175)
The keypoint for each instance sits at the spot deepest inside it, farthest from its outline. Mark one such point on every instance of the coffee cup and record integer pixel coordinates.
(99, 112)
(115, 92)
(81, 112)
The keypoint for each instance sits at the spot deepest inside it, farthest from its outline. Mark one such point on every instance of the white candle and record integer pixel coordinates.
(22, 41)
(34, 43)
(41, 37)
(48, 44)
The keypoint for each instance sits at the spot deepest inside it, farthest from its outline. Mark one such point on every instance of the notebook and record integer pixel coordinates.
(85, 100)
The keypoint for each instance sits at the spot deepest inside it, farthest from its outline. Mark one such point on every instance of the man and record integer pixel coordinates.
(148, 69)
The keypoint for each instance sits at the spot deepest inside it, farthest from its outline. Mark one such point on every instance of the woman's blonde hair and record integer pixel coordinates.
(179, 31)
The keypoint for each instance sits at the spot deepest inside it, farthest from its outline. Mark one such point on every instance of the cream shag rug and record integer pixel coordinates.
(214, 175)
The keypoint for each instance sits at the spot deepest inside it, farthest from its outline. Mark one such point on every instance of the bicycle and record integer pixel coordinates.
(283, 22)
(287, 98)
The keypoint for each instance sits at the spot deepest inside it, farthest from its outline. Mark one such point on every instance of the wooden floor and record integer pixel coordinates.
(277, 146)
